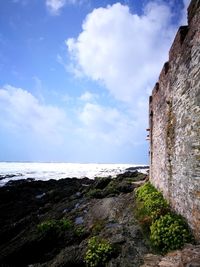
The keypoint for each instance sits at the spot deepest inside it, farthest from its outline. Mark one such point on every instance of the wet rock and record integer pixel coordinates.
(2, 177)
(79, 220)
(137, 168)
(78, 194)
(40, 196)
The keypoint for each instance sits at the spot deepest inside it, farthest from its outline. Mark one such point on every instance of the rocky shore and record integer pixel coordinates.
(102, 207)
(49, 224)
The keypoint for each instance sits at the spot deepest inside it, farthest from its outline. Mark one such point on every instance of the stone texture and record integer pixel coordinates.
(174, 118)
(189, 256)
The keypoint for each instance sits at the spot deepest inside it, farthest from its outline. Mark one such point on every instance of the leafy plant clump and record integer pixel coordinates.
(80, 231)
(166, 230)
(153, 203)
(95, 193)
(143, 191)
(169, 232)
(98, 252)
(54, 226)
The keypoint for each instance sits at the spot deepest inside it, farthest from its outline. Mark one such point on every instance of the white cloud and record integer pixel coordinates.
(124, 51)
(95, 133)
(55, 6)
(22, 112)
(109, 125)
(88, 96)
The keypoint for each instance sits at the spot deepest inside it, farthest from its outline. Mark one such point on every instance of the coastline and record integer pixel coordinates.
(51, 224)
(100, 207)
(46, 171)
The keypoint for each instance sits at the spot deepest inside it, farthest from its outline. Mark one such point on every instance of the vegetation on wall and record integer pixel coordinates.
(170, 142)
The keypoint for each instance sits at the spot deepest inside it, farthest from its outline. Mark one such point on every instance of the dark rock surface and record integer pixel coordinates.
(101, 207)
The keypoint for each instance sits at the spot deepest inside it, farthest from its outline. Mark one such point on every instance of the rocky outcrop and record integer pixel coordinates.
(187, 257)
(102, 207)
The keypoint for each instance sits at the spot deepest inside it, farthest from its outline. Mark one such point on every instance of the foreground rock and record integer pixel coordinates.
(189, 256)
(102, 207)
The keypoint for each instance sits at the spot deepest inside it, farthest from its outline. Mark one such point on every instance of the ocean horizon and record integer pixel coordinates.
(57, 170)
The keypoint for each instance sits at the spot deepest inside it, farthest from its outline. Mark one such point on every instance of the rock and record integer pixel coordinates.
(118, 239)
(25, 204)
(79, 220)
(125, 187)
(151, 260)
(72, 256)
(131, 176)
(193, 264)
(137, 168)
(138, 183)
(40, 195)
(189, 256)
(78, 194)
(102, 182)
(77, 205)
(2, 177)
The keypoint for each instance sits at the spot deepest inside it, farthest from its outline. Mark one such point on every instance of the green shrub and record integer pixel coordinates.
(143, 191)
(46, 226)
(95, 193)
(80, 231)
(64, 224)
(56, 226)
(98, 252)
(150, 202)
(169, 232)
(155, 205)
(111, 189)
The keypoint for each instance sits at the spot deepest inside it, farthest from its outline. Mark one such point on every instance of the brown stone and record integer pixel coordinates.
(189, 256)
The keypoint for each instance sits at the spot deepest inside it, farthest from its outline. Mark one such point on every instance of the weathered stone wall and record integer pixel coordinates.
(174, 119)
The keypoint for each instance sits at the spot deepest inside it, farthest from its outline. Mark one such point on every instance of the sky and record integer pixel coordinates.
(76, 75)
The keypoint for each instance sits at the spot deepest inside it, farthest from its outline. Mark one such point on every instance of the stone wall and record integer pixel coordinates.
(174, 119)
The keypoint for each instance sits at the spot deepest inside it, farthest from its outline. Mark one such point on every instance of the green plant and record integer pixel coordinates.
(95, 193)
(98, 252)
(111, 189)
(64, 224)
(155, 205)
(169, 232)
(80, 231)
(150, 204)
(55, 226)
(46, 226)
(144, 191)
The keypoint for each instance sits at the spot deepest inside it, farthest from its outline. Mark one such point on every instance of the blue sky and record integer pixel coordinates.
(75, 77)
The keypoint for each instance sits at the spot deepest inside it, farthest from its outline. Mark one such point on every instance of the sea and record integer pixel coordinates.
(46, 171)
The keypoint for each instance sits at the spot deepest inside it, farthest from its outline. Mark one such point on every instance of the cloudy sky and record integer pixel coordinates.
(75, 77)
